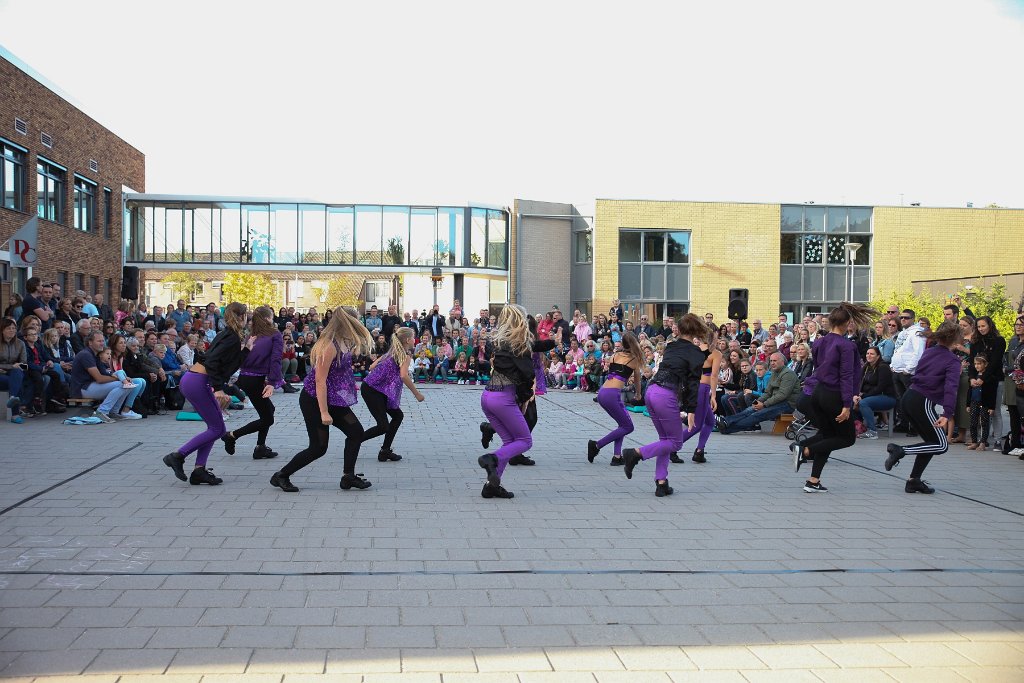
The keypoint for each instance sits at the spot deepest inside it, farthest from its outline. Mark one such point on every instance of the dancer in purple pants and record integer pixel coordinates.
(203, 387)
(703, 420)
(678, 375)
(624, 365)
(507, 396)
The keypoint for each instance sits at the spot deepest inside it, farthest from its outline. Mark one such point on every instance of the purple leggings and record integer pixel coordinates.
(664, 410)
(504, 414)
(197, 391)
(703, 418)
(611, 400)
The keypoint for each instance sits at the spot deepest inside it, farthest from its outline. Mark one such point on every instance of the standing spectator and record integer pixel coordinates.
(1013, 394)
(14, 307)
(910, 345)
(615, 311)
(744, 335)
(413, 324)
(373, 321)
(559, 325)
(981, 396)
(544, 325)
(758, 334)
(88, 307)
(34, 305)
(389, 323)
(159, 321)
(883, 341)
(582, 330)
(179, 316)
(105, 312)
(435, 322)
(988, 342)
(666, 327)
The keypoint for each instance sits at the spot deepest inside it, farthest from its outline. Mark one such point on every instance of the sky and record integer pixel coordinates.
(869, 102)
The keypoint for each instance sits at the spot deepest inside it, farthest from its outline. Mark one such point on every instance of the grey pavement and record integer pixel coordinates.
(118, 572)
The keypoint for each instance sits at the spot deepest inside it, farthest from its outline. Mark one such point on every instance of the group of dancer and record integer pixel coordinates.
(684, 385)
(326, 399)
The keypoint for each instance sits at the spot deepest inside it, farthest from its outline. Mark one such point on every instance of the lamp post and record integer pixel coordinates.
(436, 278)
(851, 249)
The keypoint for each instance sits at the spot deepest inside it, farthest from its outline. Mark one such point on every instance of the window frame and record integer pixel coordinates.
(50, 170)
(84, 202)
(16, 156)
(108, 212)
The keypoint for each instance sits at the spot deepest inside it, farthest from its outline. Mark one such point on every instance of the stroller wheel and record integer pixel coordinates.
(790, 433)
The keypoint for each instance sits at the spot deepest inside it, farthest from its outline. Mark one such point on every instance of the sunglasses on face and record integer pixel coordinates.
(905, 317)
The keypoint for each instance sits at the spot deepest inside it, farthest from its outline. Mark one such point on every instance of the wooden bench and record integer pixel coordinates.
(82, 402)
(782, 423)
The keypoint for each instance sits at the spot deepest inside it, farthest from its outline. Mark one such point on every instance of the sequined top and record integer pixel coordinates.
(341, 383)
(386, 377)
(538, 372)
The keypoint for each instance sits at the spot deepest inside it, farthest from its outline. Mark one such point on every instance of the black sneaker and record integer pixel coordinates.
(176, 461)
(674, 457)
(797, 449)
(592, 450)
(229, 444)
(495, 492)
(490, 463)
(354, 481)
(663, 489)
(522, 460)
(896, 454)
(616, 461)
(814, 488)
(263, 453)
(282, 482)
(698, 456)
(630, 458)
(486, 434)
(386, 454)
(918, 486)
(201, 475)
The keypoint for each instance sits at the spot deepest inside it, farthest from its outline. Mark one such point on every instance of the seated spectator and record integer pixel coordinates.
(137, 364)
(779, 398)
(173, 372)
(118, 348)
(877, 392)
(92, 378)
(801, 362)
(13, 366)
(741, 395)
(443, 356)
(289, 360)
(57, 393)
(14, 308)
(421, 366)
(462, 368)
(209, 332)
(744, 335)
(786, 344)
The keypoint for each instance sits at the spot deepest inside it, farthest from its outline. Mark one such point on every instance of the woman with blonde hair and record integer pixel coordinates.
(382, 392)
(622, 366)
(508, 394)
(328, 392)
(203, 387)
(259, 375)
(702, 421)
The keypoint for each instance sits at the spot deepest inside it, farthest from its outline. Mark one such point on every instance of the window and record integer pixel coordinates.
(584, 247)
(79, 282)
(478, 238)
(85, 204)
(368, 234)
(496, 239)
(12, 176)
(109, 297)
(51, 179)
(814, 258)
(62, 278)
(95, 286)
(108, 211)
(654, 266)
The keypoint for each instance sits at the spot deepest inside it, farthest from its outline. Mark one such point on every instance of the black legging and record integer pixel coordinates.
(319, 435)
(832, 435)
(377, 403)
(922, 414)
(253, 388)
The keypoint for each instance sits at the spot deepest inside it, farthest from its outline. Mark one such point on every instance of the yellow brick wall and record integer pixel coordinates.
(737, 243)
(921, 243)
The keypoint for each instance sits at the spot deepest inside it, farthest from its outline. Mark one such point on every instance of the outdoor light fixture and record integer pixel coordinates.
(436, 278)
(851, 248)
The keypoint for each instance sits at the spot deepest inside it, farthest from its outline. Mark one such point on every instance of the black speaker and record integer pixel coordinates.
(130, 283)
(738, 304)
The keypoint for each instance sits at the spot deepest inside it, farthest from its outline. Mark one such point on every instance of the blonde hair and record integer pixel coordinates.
(343, 329)
(632, 347)
(51, 334)
(794, 347)
(399, 340)
(513, 331)
(234, 317)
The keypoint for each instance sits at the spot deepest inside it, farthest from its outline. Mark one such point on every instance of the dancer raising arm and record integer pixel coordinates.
(382, 391)
(203, 387)
(624, 365)
(836, 374)
(934, 386)
(327, 394)
(676, 381)
(259, 375)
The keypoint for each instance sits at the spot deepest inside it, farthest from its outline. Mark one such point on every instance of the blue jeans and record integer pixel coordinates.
(13, 381)
(749, 417)
(870, 405)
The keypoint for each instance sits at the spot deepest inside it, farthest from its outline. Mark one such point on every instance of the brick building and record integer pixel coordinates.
(62, 165)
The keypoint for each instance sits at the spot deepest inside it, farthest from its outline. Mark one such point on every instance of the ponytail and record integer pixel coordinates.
(398, 341)
(234, 318)
(861, 314)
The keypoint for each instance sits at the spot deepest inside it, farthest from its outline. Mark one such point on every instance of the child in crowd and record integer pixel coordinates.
(472, 369)
(977, 409)
(421, 367)
(462, 369)
(556, 371)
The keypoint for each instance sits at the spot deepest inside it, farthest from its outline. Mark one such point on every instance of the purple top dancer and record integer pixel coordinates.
(837, 365)
(264, 360)
(386, 377)
(341, 382)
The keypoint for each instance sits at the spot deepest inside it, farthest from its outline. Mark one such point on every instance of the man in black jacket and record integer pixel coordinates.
(390, 323)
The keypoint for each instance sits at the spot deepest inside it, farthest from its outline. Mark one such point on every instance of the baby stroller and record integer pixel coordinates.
(800, 427)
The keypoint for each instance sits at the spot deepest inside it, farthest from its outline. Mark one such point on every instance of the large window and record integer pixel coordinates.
(12, 176)
(314, 233)
(423, 229)
(340, 231)
(85, 204)
(478, 238)
(108, 211)
(256, 243)
(815, 256)
(497, 239)
(654, 265)
(51, 179)
(395, 235)
(368, 234)
(584, 247)
(451, 236)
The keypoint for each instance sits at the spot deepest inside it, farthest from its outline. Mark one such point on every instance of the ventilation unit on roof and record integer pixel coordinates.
(94, 166)
(21, 126)
(46, 139)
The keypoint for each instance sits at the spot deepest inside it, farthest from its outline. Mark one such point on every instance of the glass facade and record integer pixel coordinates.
(815, 268)
(12, 175)
(277, 233)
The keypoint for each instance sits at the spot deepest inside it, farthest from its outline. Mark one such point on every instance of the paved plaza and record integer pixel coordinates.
(114, 571)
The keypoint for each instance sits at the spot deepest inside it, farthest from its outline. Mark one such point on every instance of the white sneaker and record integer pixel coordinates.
(130, 415)
(868, 435)
(461, 382)
(1017, 451)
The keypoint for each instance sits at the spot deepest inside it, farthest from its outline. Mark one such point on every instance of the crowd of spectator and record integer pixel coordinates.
(55, 347)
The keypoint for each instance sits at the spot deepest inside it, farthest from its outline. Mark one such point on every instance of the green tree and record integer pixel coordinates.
(251, 289)
(992, 301)
(396, 251)
(183, 285)
(335, 293)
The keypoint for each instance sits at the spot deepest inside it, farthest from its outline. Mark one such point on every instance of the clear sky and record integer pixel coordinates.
(434, 102)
